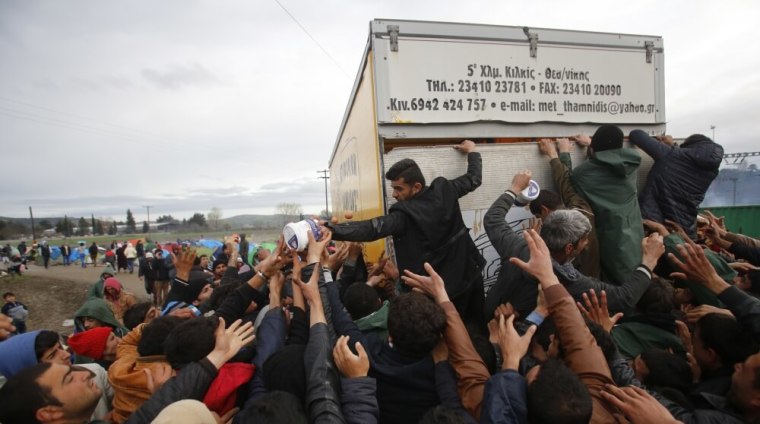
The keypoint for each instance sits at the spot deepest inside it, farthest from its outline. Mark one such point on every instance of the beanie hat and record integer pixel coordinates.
(148, 255)
(90, 343)
(217, 262)
(108, 270)
(607, 137)
(188, 411)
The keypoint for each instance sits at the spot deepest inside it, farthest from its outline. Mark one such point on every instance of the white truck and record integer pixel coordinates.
(424, 86)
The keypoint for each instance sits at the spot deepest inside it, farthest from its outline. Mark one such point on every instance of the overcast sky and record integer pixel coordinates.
(188, 105)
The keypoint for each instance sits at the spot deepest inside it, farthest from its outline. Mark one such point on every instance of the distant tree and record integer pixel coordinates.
(227, 226)
(146, 227)
(94, 225)
(113, 229)
(83, 226)
(45, 224)
(131, 225)
(101, 229)
(214, 216)
(63, 226)
(165, 218)
(184, 221)
(197, 219)
(289, 209)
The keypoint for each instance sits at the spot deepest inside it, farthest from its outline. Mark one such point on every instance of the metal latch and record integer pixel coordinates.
(393, 32)
(649, 45)
(533, 38)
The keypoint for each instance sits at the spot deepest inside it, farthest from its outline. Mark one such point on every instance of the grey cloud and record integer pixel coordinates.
(179, 76)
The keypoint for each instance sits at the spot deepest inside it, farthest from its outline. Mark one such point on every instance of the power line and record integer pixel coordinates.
(313, 39)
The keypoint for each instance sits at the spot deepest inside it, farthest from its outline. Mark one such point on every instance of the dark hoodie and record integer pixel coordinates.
(679, 178)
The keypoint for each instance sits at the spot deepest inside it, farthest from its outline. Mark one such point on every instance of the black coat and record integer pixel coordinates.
(429, 228)
(679, 178)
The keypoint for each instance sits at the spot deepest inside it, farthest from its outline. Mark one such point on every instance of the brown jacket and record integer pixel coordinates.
(582, 355)
(587, 261)
(472, 373)
(127, 378)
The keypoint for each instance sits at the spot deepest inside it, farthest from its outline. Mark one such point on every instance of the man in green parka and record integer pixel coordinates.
(96, 290)
(608, 181)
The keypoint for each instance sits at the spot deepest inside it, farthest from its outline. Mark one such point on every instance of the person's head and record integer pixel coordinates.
(361, 300)
(219, 268)
(49, 393)
(190, 341)
(749, 282)
(442, 415)
(275, 407)
(99, 343)
(415, 324)
(607, 137)
(745, 385)
(92, 322)
(546, 203)
(406, 179)
(565, 232)
(48, 348)
(148, 256)
(112, 288)
(155, 333)
(659, 297)
(693, 139)
(203, 262)
(159, 254)
(139, 313)
(285, 371)
(9, 297)
(239, 262)
(658, 368)
(719, 341)
(262, 253)
(556, 395)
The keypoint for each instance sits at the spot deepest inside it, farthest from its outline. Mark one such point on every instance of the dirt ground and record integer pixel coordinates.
(53, 295)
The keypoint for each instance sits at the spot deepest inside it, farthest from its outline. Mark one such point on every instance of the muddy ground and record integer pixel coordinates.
(53, 295)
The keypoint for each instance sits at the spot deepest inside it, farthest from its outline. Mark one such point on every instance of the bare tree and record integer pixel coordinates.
(289, 209)
(214, 216)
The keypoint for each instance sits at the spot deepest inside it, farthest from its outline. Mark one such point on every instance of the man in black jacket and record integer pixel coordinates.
(426, 225)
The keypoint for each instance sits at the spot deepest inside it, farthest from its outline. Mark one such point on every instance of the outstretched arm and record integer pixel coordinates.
(474, 176)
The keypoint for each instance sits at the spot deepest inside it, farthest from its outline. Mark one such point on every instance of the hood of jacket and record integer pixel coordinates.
(621, 162)
(17, 353)
(703, 152)
(377, 320)
(96, 308)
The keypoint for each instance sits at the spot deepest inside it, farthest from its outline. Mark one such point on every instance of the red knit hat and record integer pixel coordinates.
(90, 343)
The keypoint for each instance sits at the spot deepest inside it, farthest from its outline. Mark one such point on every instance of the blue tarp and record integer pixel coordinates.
(211, 244)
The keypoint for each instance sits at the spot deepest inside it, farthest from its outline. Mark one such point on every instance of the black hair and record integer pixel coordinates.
(22, 396)
(659, 297)
(135, 315)
(557, 396)
(408, 170)
(724, 335)
(285, 371)
(44, 341)
(276, 407)
(666, 370)
(547, 198)
(442, 415)
(155, 333)
(6, 294)
(190, 341)
(415, 323)
(360, 300)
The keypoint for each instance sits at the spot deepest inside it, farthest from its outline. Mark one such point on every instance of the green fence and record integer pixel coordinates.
(740, 219)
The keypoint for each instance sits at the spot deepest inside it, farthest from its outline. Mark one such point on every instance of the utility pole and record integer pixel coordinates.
(148, 208)
(34, 236)
(712, 127)
(325, 177)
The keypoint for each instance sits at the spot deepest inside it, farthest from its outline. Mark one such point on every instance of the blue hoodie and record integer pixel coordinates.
(17, 353)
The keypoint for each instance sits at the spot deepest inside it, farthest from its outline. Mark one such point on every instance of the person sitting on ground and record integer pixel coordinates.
(16, 310)
(566, 233)
(96, 290)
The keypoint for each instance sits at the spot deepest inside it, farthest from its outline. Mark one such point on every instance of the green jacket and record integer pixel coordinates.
(608, 181)
(632, 338)
(376, 322)
(96, 290)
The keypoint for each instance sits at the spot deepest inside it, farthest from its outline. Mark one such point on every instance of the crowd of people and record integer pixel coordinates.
(616, 306)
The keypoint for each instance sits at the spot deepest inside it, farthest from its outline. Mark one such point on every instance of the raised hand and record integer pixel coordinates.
(183, 262)
(513, 346)
(466, 146)
(432, 285)
(695, 266)
(6, 326)
(596, 310)
(548, 148)
(521, 180)
(581, 139)
(350, 365)
(229, 341)
(637, 405)
(540, 263)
